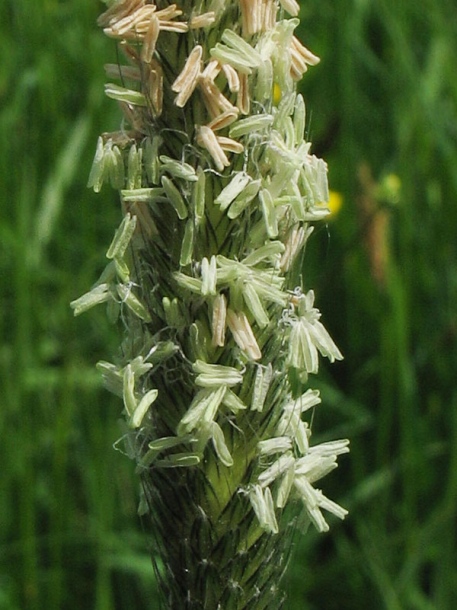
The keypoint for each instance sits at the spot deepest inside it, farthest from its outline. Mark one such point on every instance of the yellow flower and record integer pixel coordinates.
(335, 203)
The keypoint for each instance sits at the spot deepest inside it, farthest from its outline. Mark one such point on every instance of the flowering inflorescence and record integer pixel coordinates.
(219, 190)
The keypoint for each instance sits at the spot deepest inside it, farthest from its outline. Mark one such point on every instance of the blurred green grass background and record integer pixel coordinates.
(382, 110)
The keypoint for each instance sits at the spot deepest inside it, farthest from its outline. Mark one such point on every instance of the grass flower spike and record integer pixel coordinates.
(219, 192)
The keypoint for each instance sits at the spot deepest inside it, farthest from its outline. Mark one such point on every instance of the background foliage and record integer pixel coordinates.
(382, 110)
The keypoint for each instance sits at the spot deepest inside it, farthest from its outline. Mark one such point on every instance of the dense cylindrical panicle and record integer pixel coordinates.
(219, 193)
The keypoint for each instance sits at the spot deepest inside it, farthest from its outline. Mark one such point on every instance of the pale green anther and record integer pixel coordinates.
(202, 410)
(307, 185)
(134, 167)
(118, 177)
(173, 313)
(257, 500)
(317, 213)
(147, 460)
(236, 186)
(198, 196)
(178, 313)
(306, 401)
(233, 402)
(279, 156)
(310, 500)
(220, 445)
(269, 213)
(151, 158)
(303, 151)
(270, 292)
(178, 169)
(330, 506)
(331, 448)
(270, 250)
(209, 276)
(175, 198)
(319, 469)
(121, 94)
(126, 295)
(238, 53)
(162, 444)
(279, 444)
(162, 351)
(271, 522)
(302, 351)
(139, 366)
(128, 393)
(266, 45)
(266, 283)
(141, 409)
(229, 270)
(112, 376)
(262, 382)
(254, 305)
(264, 82)
(122, 269)
(202, 437)
(142, 195)
(284, 31)
(166, 303)
(276, 469)
(310, 463)
(226, 55)
(296, 203)
(237, 42)
(313, 177)
(250, 124)
(176, 460)
(322, 181)
(99, 294)
(300, 433)
(199, 341)
(114, 165)
(244, 199)
(189, 283)
(167, 442)
(285, 487)
(296, 192)
(291, 425)
(299, 119)
(286, 175)
(187, 244)
(218, 320)
(211, 375)
(315, 467)
(210, 412)
(262, 503)
(108, 274)
(212, 381)
(122, 237)
(285, 109)
(236, 295)
(97, 171)
(289, 132)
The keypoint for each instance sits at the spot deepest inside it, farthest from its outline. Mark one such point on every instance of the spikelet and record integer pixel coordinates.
(219, 195)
